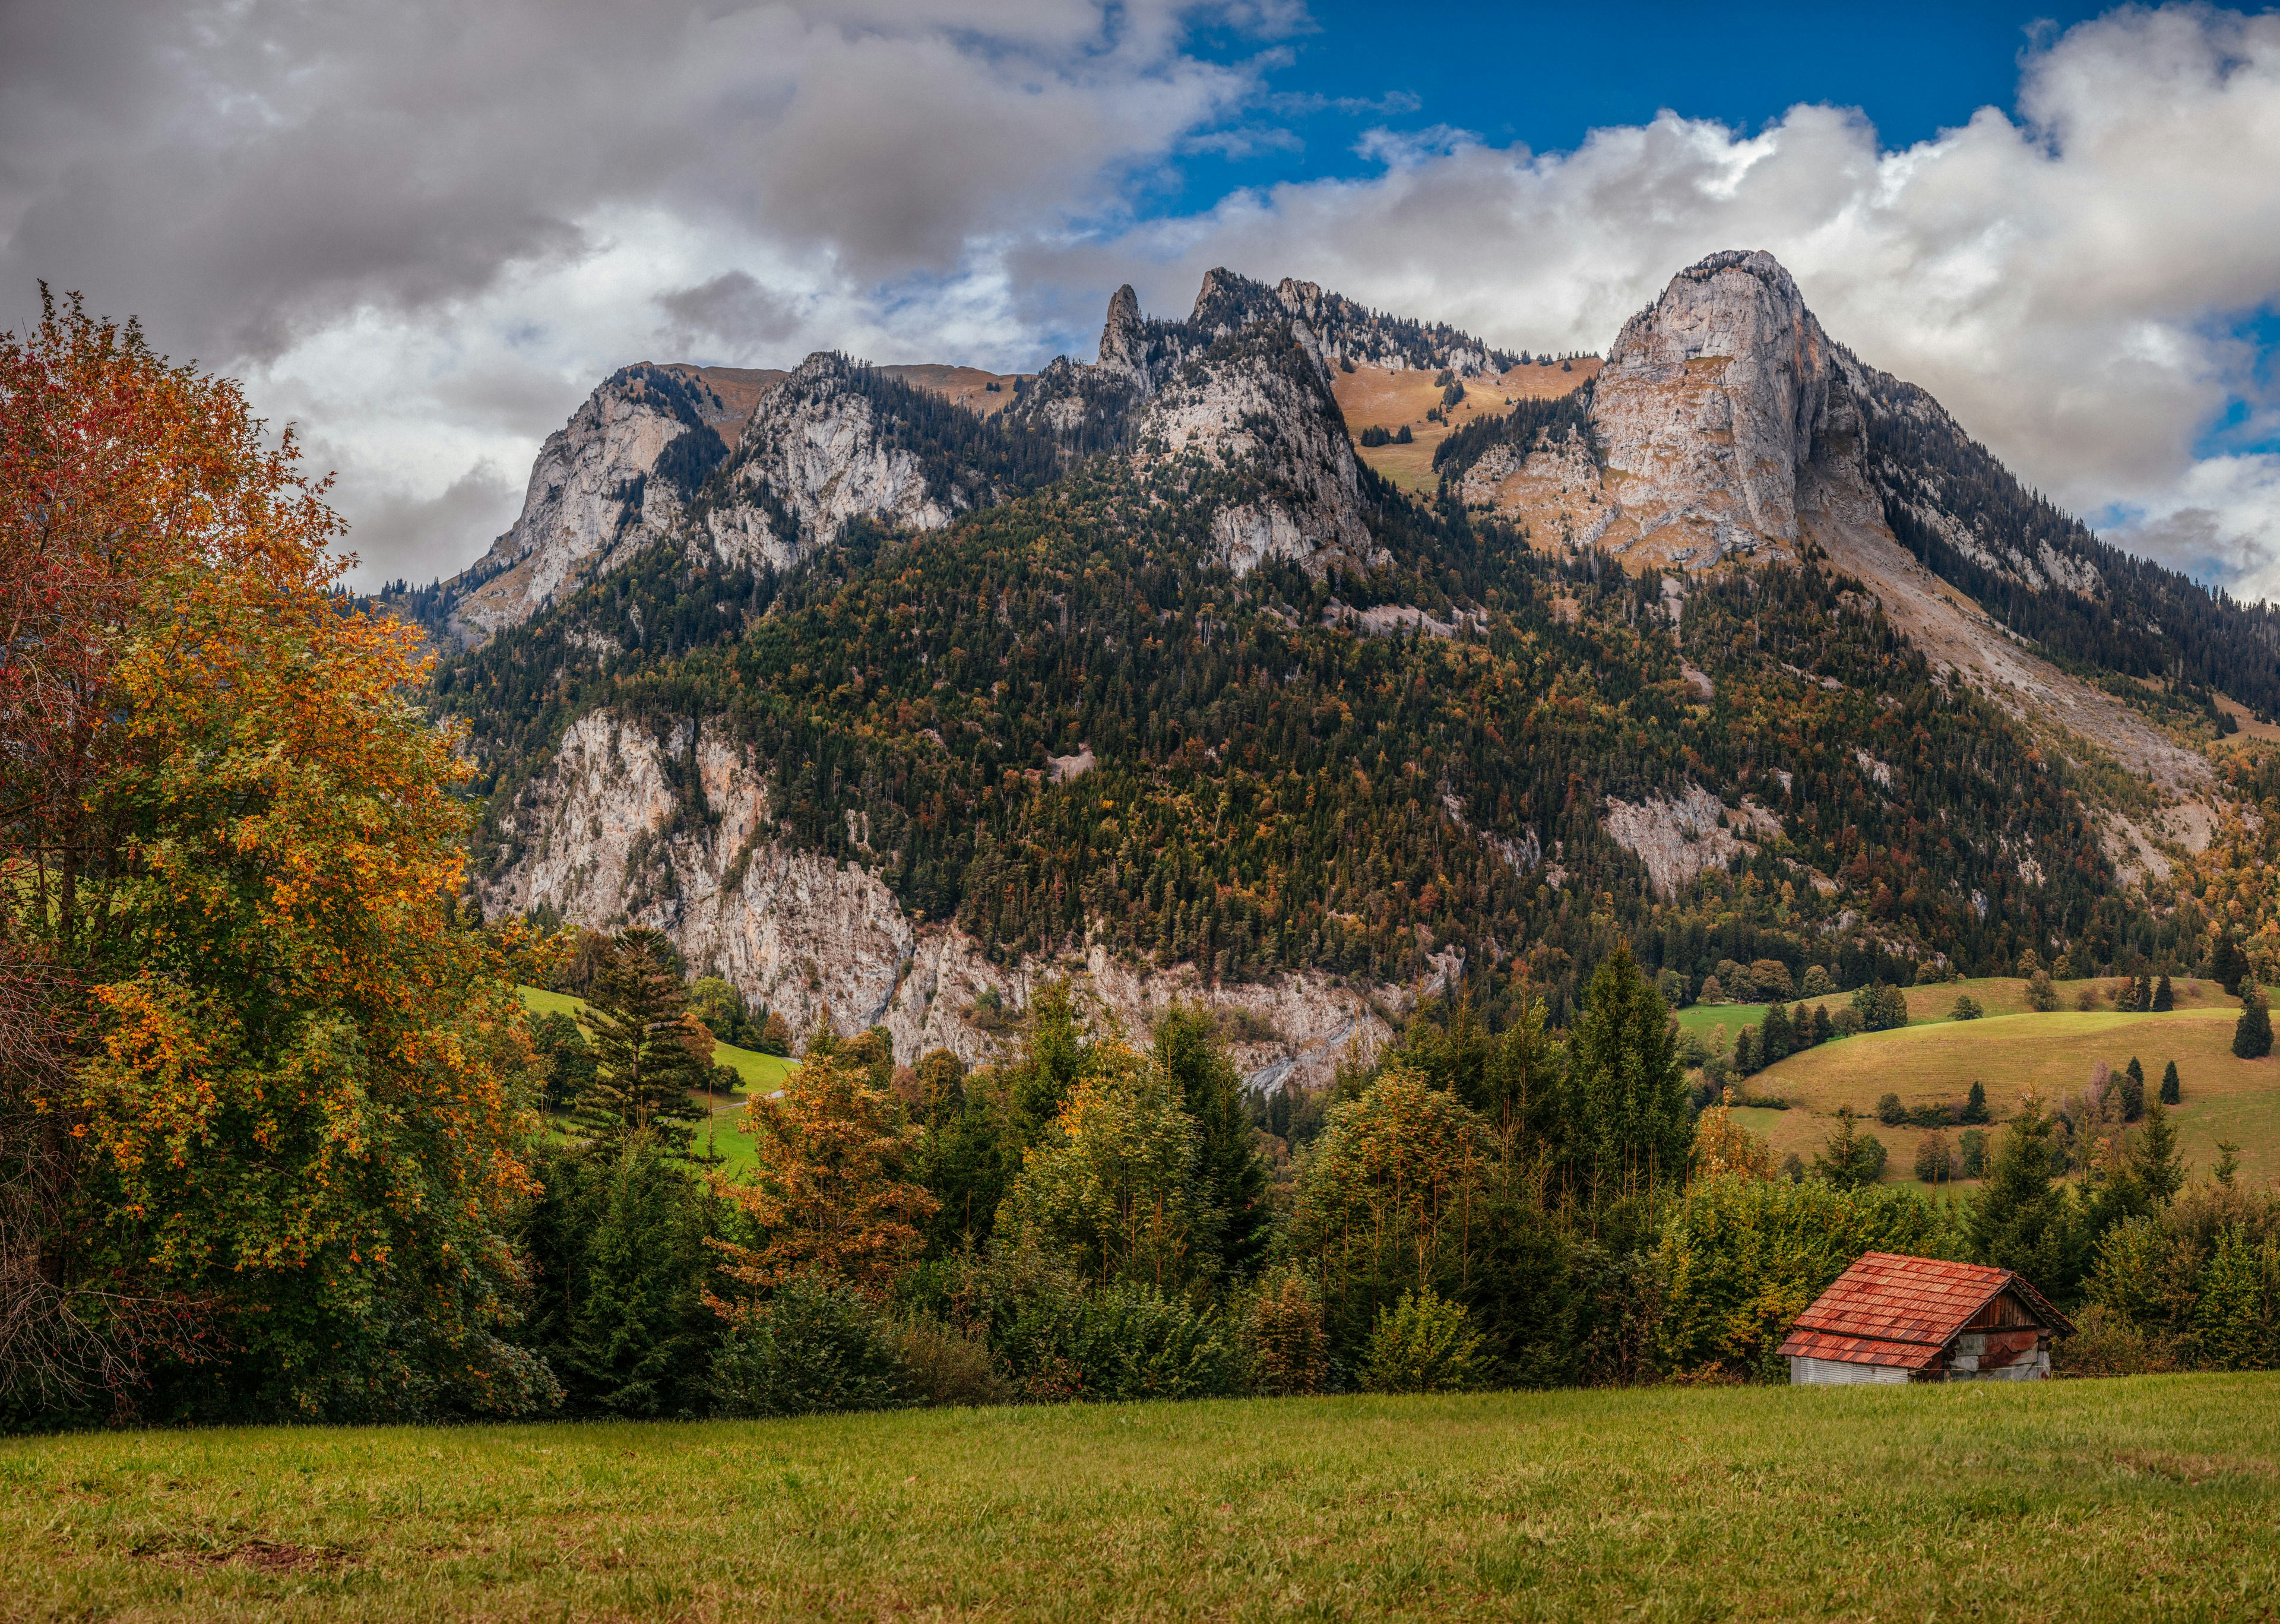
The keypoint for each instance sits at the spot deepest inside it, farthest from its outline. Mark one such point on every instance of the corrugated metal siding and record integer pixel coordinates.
(1828, 1372)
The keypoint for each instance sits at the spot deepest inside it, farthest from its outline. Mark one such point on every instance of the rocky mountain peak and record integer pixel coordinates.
(1709, 403)
(1124, 339)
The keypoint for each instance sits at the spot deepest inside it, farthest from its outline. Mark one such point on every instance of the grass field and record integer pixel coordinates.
(2225, 1098)
(2155, 1497)
(1388, 399)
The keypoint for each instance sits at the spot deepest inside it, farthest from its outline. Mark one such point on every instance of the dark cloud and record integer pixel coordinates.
(421, 538)
(731, 316)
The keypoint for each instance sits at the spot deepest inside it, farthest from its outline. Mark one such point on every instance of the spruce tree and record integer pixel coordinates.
(1189, 1055)
(2165, 996)
(1776, 1037)
(2023, 1223)
(2170, 1091)
(1823, 1029)
(2133, 1090)
(2153, 1155)
(1975, 1109)
(2252, 1035)
(645, 1049)
(1624, 1079)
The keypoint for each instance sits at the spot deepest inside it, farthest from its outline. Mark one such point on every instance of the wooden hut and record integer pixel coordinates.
(1894, 1319)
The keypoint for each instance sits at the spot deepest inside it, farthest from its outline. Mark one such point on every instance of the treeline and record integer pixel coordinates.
(1558, 417)
(1095, 1219)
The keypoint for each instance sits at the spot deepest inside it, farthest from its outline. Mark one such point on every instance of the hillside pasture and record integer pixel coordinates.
(1389, 397)
(2052, 1054)
(2151, 1496)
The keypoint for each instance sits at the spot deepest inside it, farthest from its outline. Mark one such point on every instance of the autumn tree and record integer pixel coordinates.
(830, 1193)
(1118, 1189)
(302, 1080)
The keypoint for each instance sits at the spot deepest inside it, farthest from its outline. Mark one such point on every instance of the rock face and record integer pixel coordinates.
(1707, 411)
(626, 828)
(818, 453)
(1680, 837)
(616, 475)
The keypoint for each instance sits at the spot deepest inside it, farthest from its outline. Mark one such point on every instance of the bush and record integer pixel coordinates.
(1286, 1351)
(943, 1365)
(2041, 996)
(814, 1348)
(1966, 1008)
(1057, 1341)
(2106, 1343)
(1890, 1112)
(1423, 1343)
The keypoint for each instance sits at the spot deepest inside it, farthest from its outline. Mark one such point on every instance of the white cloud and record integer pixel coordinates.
(424, 228)
(2066, 282)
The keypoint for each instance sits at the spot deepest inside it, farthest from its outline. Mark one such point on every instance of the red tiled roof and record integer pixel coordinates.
(1892, 1309)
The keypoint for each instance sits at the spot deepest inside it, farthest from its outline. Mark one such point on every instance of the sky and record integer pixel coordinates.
(422, 230)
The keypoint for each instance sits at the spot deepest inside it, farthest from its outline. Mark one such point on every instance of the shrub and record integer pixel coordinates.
(1423, 1343)
(1890, 1112)
(1057, 1341)
(2235, 1325)
(943, 1365)
(816, 1347)
(2041, 996)
(2106, 1343)
(1966, 1008)
(2086, 998)
(1286, 1351)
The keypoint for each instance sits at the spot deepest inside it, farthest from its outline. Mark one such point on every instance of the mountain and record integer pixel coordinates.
(906, 692)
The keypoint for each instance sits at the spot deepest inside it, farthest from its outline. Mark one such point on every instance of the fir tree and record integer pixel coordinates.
(1823, 1029)
(2165, 996)
(2153, 1155)
(2171, 1092)
(645, 1049)
(2133, 1090)
(1975, 1109)
(2252, 1035)
(1850, 1159)
(1188, 1053)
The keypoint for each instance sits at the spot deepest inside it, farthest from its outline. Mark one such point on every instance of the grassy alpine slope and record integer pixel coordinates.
(2153, 1497)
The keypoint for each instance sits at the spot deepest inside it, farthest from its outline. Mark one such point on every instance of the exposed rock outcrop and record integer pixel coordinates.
(620, 472)
(1679, 838)
(624, 827)
(817, 454)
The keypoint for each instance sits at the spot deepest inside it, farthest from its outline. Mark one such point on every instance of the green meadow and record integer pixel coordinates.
(2150, 1497)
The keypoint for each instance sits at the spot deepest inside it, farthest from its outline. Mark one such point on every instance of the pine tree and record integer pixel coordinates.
(2133, 1090)
(1975, 1109)
(2165, 996)
(2171, 1092)
(645, 1049)
(1745, 1051)
(1189, 1055)
(1628, 1094)
(2252, 1035)
(2227, 965)
(1824, 1028)
(2153, 1155)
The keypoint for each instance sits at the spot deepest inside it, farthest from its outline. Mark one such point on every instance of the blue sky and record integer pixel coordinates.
(1547, 74)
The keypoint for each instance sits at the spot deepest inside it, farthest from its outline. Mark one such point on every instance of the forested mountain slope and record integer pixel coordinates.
(900, 707)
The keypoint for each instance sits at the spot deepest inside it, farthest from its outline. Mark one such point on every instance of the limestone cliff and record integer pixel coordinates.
(615, 476)
(623, 826)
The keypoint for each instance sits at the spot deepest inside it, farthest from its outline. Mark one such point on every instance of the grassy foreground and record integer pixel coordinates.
(2155, 1497)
